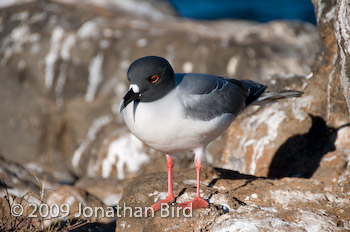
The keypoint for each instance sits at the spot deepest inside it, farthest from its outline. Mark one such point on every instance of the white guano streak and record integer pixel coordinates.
(95, 76)
(272, 119)
(93, 130)
(124, 151)
(67, 44)
(52, 56)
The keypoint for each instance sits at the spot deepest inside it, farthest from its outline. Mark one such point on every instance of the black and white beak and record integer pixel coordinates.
(130, 96)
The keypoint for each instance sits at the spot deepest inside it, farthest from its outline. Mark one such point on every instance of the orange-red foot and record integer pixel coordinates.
(195, 203)
(167, 200)
(156, 206)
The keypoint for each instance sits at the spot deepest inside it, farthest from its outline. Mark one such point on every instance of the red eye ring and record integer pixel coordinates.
(154, 79)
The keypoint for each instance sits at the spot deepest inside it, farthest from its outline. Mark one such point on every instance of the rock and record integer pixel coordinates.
(237, 202)
(46, 203)
(149, 9)
(334, 28)
(20, 181)
(78, 202)
(296, 137)
(255, 136)
(109, 191)
(5, 212)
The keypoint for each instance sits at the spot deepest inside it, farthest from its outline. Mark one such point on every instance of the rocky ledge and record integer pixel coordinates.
(238, 203)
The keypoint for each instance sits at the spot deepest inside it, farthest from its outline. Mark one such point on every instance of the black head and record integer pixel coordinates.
(150, 78)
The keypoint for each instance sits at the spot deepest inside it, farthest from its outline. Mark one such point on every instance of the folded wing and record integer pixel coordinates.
(206, 97)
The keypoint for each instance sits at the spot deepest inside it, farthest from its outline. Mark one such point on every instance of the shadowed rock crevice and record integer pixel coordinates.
(300, 155)
(226, 174)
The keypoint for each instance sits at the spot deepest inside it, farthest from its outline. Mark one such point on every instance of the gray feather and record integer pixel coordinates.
(270, 97)
(208, 96)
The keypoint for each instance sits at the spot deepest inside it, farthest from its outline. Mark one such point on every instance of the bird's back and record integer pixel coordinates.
(206, 96)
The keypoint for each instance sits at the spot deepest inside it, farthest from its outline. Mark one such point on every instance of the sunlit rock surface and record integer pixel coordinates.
(238, 203)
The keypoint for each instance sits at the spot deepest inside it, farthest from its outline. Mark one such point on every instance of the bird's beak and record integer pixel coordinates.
(129, 97)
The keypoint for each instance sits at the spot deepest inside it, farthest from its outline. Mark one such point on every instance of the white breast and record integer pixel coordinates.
(162, 124)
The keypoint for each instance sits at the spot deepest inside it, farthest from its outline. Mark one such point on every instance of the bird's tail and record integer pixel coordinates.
(270, 97)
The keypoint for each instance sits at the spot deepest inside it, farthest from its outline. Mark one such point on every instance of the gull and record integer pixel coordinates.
(174, 112)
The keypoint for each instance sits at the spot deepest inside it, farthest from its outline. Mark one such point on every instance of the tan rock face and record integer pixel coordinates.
(79, 203)
(292, 137)
(238, 202)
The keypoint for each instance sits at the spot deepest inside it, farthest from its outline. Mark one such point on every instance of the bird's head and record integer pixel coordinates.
(150, 78)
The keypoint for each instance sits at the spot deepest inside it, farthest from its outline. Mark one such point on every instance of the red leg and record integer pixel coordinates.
(171, 196)
(197, 202)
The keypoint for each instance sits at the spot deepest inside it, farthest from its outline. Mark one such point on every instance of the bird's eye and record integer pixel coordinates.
(154, 79)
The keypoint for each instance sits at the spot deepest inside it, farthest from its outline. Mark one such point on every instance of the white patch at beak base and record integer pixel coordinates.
(134, 88)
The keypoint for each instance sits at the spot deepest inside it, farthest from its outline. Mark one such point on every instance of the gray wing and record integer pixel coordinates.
(206, 97)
